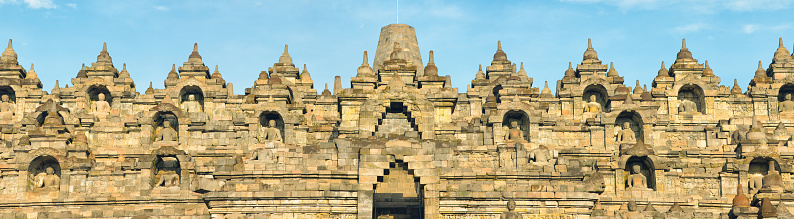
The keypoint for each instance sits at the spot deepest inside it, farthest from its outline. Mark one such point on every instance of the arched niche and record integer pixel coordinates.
(521, 118)
(267, 116)
(291, 95)
(496, 94)
(600, 93)
(168, 171)
(94, 91)
(159, 123)
(7, 103)
(8, 91)
(197, 101)
(760, 165)
(398, 193)
(694, 94)
(396, 111)
(40, 118)
(646, 169)
(758, 168)
(38, 177)
(43, 118)
(635, 123)
(784, 90)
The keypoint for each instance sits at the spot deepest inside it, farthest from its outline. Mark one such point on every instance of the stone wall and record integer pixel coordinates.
(399, 143)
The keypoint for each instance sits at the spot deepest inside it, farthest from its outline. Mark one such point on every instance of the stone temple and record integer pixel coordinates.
(398, 142)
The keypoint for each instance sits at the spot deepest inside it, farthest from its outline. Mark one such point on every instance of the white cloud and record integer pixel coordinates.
(690, 28)
(625, 4)
(34, 4)
(160, 8)
(37, 4)
(752, 28)
(749, 28)
(753, 5)
(72, 5)
(705, 6)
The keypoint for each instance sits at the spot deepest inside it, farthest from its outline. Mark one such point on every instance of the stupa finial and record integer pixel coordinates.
(683, 43)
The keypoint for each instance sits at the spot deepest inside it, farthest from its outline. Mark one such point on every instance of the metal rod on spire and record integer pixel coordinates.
(398, 11)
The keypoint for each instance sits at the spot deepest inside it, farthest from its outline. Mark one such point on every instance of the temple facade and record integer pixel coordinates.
(398, 142)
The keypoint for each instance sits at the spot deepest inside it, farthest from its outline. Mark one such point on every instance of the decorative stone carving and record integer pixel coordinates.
(786, 105)
(100, 105)
(168, 178)
(676, 208)
(6, 108)
(632, 213)
(167, 172)
(167, 133)
(514, 134)
(262, 155)
(53, 119)
(781, 133)
(687, 105)
(772, 182)
(739, 200)
(638, 150)
(191, 105)
(636, 180)
(740, 133)
(597, 210)
(626, 135)
(270, 133)
(767, 210)
(47, 180)
(541, 155)
(593, 106)
(511, 213)
(594, 183)
(755, 183)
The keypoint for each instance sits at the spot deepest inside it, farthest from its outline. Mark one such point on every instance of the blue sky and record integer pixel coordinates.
(244, 37)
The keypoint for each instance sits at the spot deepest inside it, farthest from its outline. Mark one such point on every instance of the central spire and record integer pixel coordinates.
(403, 34)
